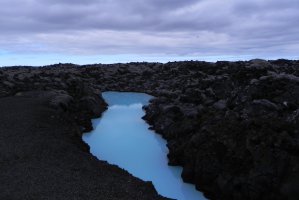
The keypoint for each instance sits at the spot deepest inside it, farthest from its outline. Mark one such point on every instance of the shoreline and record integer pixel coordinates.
(44, 156)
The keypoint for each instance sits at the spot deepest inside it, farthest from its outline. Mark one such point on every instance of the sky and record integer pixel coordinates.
(41, 32)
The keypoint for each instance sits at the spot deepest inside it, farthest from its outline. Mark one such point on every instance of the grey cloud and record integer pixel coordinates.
(193, 27)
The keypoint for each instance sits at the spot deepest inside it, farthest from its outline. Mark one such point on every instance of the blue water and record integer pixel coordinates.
(122, 138)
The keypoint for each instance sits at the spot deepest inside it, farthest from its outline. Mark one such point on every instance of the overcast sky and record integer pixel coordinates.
(91, 31)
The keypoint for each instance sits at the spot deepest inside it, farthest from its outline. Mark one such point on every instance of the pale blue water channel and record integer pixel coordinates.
(122, 137)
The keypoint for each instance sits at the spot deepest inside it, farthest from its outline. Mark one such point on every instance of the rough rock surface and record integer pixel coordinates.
(233, 126)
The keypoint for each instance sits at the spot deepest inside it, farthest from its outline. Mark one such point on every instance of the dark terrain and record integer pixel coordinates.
(43, 157)
(233, 126)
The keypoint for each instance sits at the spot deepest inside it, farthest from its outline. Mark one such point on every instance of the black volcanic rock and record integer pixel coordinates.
(235, 147)
(233, 126)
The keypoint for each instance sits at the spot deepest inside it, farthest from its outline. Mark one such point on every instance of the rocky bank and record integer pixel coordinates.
(233, 126)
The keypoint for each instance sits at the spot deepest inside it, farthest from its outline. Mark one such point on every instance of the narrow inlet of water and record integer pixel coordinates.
(122, 137)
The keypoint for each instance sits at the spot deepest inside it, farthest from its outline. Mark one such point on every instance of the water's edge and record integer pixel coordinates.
(148, 149)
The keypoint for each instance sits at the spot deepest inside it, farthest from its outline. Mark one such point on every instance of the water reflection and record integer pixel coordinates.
(121, 137)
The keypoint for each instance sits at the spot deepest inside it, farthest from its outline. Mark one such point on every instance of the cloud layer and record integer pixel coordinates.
(262, 28)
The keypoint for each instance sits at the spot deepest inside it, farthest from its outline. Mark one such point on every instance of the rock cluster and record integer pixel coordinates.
(233, 126)
(69, 92)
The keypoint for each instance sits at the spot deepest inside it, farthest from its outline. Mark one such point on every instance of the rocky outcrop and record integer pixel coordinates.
(242, 139)
(231, 125)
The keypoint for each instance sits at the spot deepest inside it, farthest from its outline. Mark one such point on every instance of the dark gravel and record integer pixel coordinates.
(42, 156)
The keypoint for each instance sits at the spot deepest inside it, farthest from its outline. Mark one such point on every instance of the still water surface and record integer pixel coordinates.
(121, 137)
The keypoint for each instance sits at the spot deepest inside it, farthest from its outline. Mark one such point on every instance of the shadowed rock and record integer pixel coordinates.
(233, 126)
